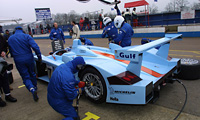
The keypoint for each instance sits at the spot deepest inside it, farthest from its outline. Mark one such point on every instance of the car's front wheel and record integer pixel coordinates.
(95, 89)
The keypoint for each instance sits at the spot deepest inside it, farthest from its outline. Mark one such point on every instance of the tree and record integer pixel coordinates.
(58, 18)
(73, 16)
(153, 9)
(170, 7)
(176, 5)
(195, 6)
(65, 19)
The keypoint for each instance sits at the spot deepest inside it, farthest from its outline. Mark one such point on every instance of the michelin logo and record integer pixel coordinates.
(123, 55)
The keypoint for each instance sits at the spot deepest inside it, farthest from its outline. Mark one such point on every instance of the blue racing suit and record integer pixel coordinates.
(110, 31)
(61, 88)
(124, 36)
(57, 34)
(88, 42)
(20, 45)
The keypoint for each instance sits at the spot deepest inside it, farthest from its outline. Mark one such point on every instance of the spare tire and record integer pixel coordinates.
(189, 69)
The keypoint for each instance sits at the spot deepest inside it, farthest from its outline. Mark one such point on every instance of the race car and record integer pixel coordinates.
(128, 75)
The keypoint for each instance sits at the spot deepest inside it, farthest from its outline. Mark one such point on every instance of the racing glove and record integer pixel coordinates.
(81, 84)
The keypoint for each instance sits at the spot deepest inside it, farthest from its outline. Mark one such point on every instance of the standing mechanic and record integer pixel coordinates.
(61, 89)
(4, 78)
(110, 30)
(20, 45)
(56, 33)
(125, 32)
(75, 31)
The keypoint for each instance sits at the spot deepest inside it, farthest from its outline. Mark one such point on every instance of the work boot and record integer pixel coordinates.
(10, 98)
(34, 92)
(2, 103)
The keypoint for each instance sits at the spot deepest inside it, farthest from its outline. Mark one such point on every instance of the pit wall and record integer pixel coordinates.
(186, 31)
(189, 31)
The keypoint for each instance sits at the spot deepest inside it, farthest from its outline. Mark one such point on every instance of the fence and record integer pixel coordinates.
(165, 19)
(161, 19)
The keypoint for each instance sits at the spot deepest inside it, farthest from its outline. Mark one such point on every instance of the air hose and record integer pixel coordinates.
(185, 99)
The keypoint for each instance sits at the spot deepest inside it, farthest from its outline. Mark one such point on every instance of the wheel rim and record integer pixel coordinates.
(93, 88)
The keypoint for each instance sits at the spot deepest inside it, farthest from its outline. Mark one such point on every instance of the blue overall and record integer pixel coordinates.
(57, 34)
(124, 36)
(88, 42)
(61, 88)
(20, 45)
(110, 31)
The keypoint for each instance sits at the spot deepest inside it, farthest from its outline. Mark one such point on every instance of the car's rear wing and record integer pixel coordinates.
(134, 54)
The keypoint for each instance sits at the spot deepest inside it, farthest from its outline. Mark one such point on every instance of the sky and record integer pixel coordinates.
(25, 9)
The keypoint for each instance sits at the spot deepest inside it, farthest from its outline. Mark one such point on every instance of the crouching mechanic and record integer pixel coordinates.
(61, 89)
(20, 45)
(125, 32)
(86, 41)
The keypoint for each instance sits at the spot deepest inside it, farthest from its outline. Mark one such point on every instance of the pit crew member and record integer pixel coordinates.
(61, 89)
(125, 32)
(57, 33)
(86, 41)
(21, 45)
(110, 31)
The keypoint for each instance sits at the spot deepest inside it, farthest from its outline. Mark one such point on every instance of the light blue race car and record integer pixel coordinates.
(129, 75)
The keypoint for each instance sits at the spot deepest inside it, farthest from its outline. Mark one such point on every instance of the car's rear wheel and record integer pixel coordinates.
(95, 89)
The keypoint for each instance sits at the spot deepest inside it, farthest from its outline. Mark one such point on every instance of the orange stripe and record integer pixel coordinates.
(147, 70)
(153, 73)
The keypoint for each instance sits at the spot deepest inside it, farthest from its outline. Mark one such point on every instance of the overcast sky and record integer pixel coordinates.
(25, 9)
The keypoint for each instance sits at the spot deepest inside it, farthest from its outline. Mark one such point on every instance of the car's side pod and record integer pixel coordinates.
(134, 54)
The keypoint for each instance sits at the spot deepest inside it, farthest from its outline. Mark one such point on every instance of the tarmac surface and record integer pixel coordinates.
(171, 99)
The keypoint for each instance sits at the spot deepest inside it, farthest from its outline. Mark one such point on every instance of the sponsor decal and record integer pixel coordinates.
(112, 91)
(82, 51)
(123, 55)
(125, 92)
(114, 99)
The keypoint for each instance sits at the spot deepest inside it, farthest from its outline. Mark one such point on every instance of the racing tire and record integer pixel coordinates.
(95, 89)
(189, 69)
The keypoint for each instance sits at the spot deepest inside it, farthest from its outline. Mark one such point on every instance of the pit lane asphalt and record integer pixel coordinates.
(167, 106)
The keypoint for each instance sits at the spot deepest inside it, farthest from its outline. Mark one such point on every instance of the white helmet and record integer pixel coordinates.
(118, 21)
(106, 20)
